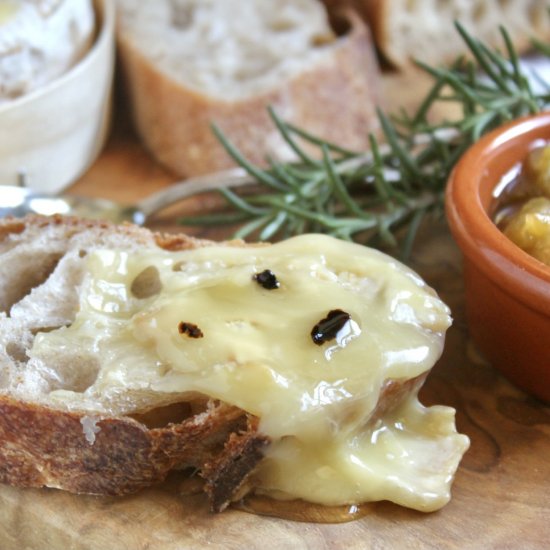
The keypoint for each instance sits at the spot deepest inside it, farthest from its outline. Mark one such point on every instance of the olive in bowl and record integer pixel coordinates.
(507, 289)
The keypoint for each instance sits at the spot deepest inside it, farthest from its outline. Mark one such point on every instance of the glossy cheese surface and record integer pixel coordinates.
(198, 321)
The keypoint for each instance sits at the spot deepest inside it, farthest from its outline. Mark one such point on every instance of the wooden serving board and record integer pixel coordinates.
(501, 495)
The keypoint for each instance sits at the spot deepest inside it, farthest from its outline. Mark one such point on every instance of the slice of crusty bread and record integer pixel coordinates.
(85, 447)
(189, 64)
(405, 30)
(86, 451)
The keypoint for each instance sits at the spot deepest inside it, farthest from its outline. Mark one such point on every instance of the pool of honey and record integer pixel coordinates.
(299, 510)
(186, 484)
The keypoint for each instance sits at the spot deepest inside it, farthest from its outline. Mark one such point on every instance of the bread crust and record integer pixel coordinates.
(41, 446)
(334, 99)
(83, 452)
(376, 13)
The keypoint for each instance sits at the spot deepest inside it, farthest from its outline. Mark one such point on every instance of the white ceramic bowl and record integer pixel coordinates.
(50, 136)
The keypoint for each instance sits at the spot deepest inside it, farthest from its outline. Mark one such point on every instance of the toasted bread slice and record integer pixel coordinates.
(109, 396)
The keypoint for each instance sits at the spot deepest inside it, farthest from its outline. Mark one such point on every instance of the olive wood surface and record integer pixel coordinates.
(501, 494)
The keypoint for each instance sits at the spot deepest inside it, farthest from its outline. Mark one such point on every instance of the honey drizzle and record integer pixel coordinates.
(300, 510)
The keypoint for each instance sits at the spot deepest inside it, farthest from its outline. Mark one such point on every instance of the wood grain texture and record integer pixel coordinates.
(501, 497)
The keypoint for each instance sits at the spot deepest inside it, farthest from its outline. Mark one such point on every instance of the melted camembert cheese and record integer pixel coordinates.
(256, 351)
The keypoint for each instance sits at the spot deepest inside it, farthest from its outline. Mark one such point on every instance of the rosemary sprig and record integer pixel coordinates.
(370, 196)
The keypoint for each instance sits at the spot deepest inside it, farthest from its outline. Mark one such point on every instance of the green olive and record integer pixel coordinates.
(529, 228)
(536, 170)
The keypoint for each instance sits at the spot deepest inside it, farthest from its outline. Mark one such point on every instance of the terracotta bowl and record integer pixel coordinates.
(507, 291)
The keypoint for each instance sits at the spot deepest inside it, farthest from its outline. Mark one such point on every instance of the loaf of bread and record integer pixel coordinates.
(40, 40)
(290, 370)
(189, 64)
(407, 30)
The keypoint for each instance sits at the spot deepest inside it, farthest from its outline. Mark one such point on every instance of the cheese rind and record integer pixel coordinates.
(316, 402)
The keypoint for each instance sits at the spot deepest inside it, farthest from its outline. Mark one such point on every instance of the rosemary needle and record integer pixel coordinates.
(380, 197)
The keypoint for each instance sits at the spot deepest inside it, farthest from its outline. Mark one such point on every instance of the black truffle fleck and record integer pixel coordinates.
(190, 329)
(327, 329)
(267, 279)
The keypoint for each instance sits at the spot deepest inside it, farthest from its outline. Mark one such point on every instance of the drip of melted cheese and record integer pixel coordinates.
(256, 352)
